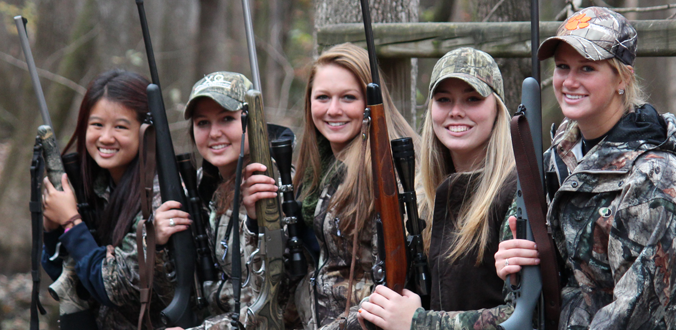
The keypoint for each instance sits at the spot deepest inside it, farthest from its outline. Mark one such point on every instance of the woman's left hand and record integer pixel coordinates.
(58, 206)
(170, 219)
(389, 310)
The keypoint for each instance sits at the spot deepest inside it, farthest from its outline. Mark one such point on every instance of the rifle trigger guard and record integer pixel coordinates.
(261, 270)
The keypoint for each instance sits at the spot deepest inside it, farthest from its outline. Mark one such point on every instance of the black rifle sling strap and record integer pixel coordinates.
(534, 198)
(35, 205)
(146, 262)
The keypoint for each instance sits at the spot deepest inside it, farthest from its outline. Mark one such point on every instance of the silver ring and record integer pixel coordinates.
(171, 222)
(506, 262)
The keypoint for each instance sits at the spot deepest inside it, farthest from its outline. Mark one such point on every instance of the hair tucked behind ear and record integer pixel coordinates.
(634, 96)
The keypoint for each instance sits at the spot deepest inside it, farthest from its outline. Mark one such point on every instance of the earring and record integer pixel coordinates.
(621, 91)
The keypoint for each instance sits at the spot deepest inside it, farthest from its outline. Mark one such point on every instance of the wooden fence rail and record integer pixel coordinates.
(500, 39)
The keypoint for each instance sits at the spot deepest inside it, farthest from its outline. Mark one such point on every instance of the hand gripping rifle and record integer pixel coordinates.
(74, 310)
(418, 271)
(390, 268)
(532, 208)
(181, 245)
(264, 313)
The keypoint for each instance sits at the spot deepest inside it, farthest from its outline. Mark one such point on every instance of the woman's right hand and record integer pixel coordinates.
(256, 187)
(169, 219)
(514, 253)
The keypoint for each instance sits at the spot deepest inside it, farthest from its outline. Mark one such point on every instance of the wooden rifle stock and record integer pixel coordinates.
(265, 313)
(386, 193)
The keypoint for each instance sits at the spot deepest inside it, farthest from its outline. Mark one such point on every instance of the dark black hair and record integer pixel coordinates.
(124, 202)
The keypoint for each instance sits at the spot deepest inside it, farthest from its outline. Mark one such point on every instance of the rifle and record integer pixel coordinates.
(264, 313)
(418, 270)
(390, 266)
(282, 151)
(181, 245)
(531, 206)
(74, 310)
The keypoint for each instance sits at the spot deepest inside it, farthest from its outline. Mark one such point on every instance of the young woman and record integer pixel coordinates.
(107, 142)
(335, 180)
(214, 112)
(468, 166)
(612, 217)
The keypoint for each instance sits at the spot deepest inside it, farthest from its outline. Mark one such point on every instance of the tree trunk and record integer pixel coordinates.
(211, 54)
(399, 74)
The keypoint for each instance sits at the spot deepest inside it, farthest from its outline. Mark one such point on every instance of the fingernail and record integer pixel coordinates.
(360, 310)
(535, 246)
(275, 194)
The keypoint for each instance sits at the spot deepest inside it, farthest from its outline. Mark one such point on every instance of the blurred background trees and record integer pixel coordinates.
(74, 40)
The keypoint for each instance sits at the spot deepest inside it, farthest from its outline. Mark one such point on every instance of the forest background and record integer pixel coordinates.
(74, 40)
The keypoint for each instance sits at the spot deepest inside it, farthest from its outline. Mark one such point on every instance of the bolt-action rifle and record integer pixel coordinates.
(391, 265)
(532, 293)
(418, 281)
(74, 310)
(181, 245)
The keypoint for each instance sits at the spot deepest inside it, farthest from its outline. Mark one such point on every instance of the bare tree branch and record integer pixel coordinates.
(44, 74)
(635, 9)
(490, 13)
(72, 46)
(288, 70)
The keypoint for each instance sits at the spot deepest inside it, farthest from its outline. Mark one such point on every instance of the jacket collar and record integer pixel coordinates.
(637, 132)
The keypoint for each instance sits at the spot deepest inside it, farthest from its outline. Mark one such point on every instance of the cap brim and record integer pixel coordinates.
(481, 87)
(226, 102)
(584, 47)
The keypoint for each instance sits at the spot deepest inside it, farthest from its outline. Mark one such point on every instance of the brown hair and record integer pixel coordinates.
(354, 199)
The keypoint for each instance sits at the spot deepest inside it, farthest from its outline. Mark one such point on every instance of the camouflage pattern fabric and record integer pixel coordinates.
(219, 294)
(121, 278)
(597, 33)
(614, 224)
(226, 88)
(331, 281)
(473, 66)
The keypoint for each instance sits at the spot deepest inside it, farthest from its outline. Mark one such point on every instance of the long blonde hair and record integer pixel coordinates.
(436, 165)
(354, 199)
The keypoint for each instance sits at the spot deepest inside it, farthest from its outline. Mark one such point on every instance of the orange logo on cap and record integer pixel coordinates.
(578, 22)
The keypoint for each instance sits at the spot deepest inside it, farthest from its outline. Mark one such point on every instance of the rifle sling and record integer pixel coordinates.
(536, 207)
(146, 262)
(37, 170)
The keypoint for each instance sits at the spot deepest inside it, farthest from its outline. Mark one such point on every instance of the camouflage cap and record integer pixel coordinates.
(473, 66)
(597, 33)
(226, 88)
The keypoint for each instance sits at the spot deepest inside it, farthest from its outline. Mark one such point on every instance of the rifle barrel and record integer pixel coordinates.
(32, 69)
(370, 46)
(251, 43)
(149, 45)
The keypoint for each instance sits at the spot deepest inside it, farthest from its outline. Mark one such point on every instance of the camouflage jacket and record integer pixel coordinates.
(219, 294)
(464, 295)
(322, 295)
(614, 224)
(119, 272)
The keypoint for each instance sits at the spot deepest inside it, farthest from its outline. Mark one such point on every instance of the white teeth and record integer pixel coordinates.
(219, 146)
(337, 123)
(574, 97)
(107, 151)
(458, 129)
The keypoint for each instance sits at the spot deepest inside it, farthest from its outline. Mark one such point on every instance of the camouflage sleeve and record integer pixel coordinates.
(487, 319)
(120, 267)
(644, 295)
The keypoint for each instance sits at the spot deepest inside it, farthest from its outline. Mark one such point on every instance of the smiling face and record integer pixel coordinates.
(587, 91)
(218, 134)
(112, 137)
(337, 105)
(463, 121)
